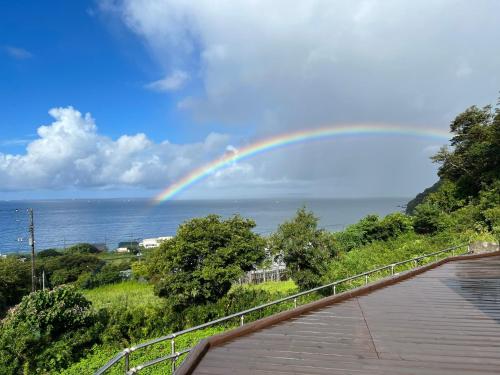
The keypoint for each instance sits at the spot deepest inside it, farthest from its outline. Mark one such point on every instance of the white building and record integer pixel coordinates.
(122, 250)
(149, 243)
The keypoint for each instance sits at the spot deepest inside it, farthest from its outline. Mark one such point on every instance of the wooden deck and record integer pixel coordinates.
(443, 321)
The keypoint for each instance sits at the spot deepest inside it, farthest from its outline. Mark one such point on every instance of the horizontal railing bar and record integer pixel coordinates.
(155, 361)
(120, 355)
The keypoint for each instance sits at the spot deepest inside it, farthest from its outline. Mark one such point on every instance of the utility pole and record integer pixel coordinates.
(32, 244)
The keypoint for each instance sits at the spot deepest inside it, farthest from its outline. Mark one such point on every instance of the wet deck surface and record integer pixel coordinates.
(444, 321)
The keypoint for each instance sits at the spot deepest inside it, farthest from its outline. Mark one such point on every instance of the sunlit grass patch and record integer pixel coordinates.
(127, 293)
(275, 287)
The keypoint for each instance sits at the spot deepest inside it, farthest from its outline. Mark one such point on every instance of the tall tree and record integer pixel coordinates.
(473, 162)
(304, 248)
(204, 259)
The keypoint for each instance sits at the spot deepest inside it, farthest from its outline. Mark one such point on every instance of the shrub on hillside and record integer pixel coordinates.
(429, 219)
(82, 248)
(67, 268)
(140, 270)
(372, 228)
(15, 282)
(108, 274)
(394, 225)
(48, 253)
(47, 331)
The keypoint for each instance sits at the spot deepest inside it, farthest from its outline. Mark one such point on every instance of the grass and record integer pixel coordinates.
(133, 293)
(141, 294)
(100, 354)
(112, 256)
(275, 287)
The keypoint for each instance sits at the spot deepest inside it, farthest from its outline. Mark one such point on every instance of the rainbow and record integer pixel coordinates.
(288, 139)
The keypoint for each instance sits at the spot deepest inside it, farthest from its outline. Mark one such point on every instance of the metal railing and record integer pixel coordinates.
(174, 355)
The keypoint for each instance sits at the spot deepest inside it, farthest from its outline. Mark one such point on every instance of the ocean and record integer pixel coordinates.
(60, 223)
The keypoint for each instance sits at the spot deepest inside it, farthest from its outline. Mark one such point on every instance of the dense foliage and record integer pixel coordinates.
(204, 259)
(15, 281)
(108, 274)
(47, 331)
(82, 248)
(48, 253)
(473, 163)
(468, 192)
(68, 267)
(304, 248)
(372, 228)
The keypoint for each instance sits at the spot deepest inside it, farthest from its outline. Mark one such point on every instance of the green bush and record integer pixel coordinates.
(47, 331)
(429, 219)
(108, 274)
(15, 281)
(372, 228)
(49, 253)
(304, 248)
(82, 248)
(67, 268)
(202, 261)
(140, 270)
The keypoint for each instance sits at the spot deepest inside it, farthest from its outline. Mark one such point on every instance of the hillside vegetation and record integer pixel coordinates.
(192, 278)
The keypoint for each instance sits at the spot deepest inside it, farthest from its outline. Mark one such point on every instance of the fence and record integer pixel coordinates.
(262, 276)
(387, 270)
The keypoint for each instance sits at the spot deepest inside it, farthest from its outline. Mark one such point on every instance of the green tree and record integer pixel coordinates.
(68, 267)
(47, 331)
(394, 225)
(82, 248)
(204, 259)
(15, 281)
(372, 228)
(428, 219)
(49, 253)
(474, 159)
(305, 249)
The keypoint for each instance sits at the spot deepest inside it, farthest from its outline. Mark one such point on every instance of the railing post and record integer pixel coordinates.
(392, 269)
(242, 320)
(127, 360)
(366, 279)
(172, 345)
(295, 302)
(334, 289)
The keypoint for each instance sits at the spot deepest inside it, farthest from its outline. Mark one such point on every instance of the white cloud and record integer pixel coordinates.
(70, 153)
(322, 61)
(18, 53)
(274, 66)
(172, 82)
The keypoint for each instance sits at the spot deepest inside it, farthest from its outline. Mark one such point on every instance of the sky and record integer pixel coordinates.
(123, 98)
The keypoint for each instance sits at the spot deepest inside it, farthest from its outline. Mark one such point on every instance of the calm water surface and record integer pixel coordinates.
(59, 223)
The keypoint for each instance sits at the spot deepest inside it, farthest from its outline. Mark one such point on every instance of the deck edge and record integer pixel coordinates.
(196, 355)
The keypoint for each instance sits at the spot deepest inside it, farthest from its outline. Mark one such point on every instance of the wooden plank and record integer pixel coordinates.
(443, 321)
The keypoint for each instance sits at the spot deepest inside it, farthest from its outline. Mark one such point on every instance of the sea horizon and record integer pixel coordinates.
(59, 223)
